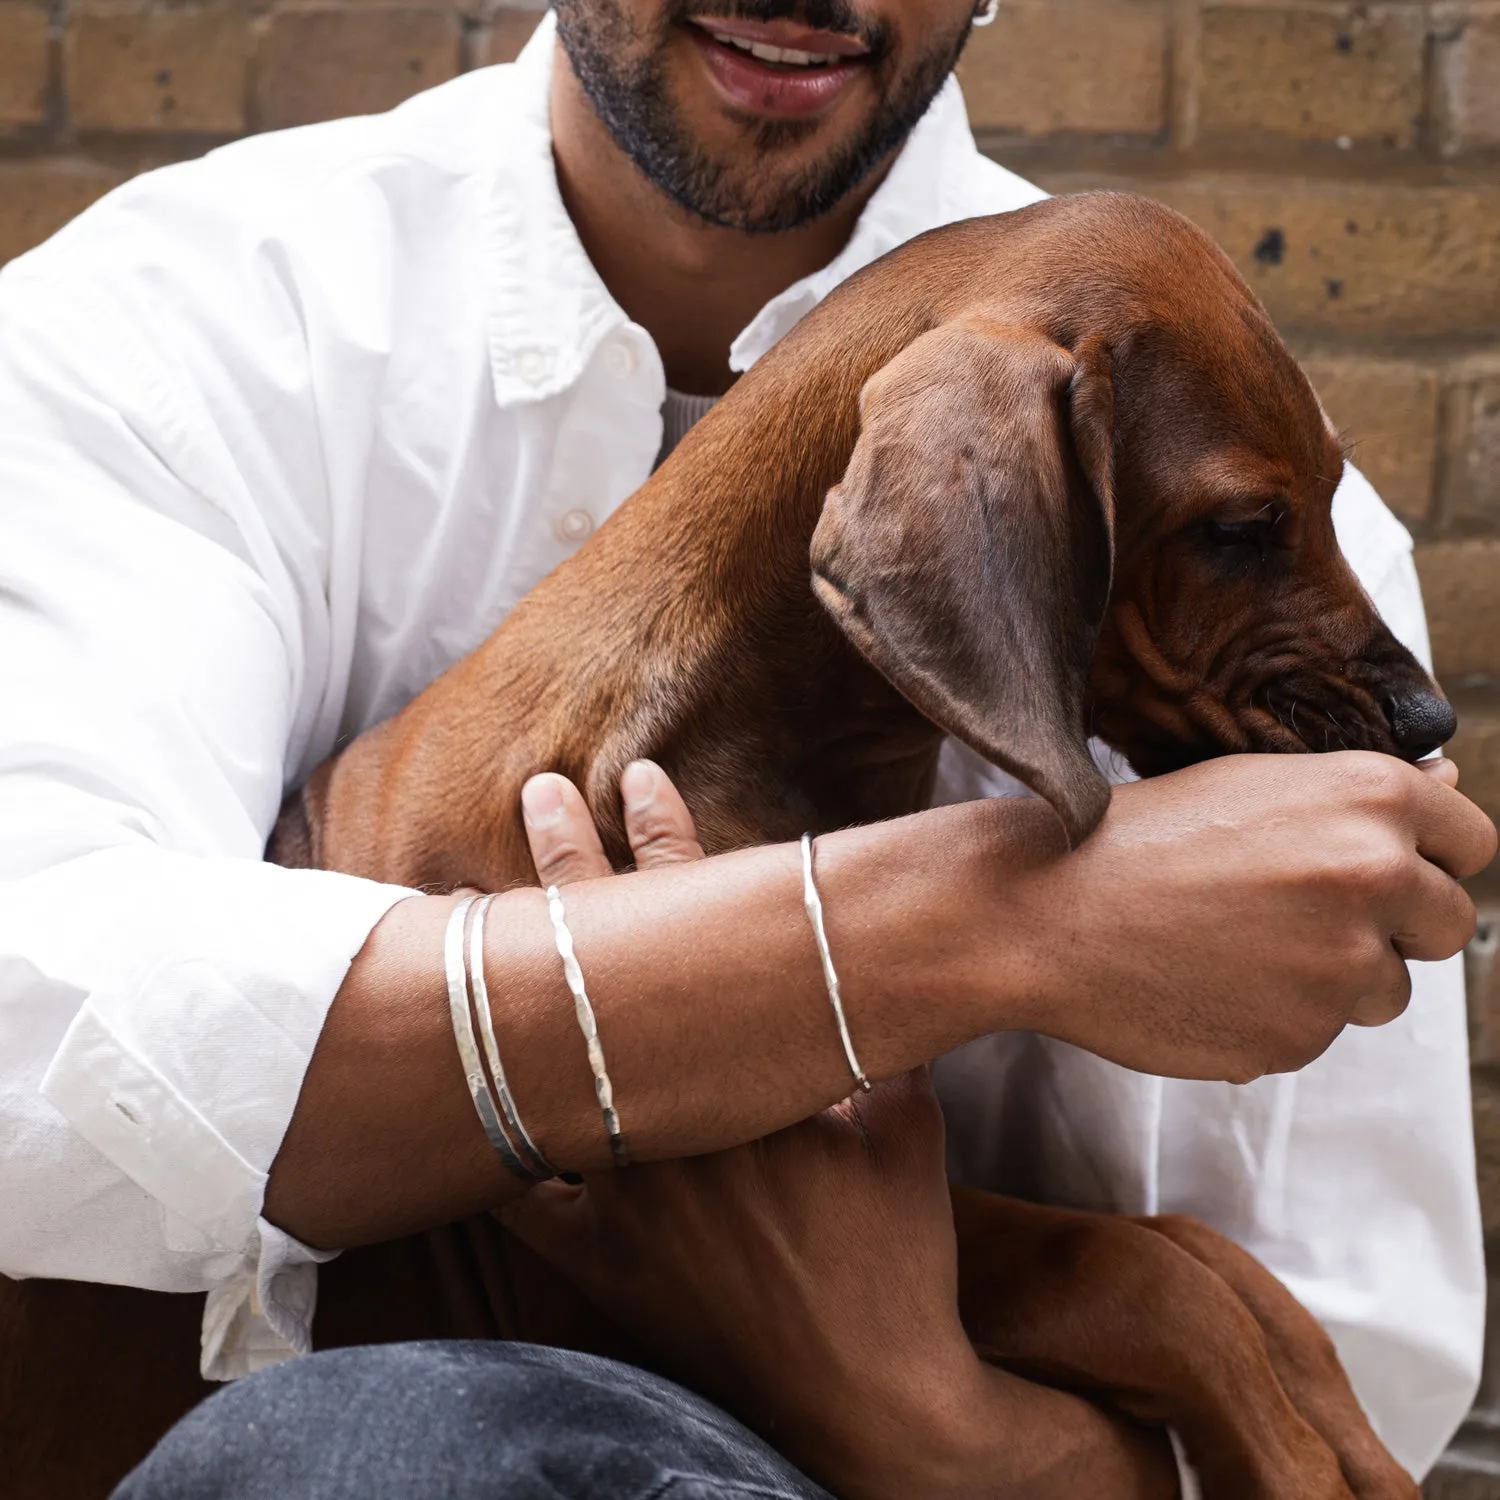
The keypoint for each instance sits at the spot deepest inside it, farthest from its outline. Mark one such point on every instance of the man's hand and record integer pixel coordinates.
(1228, 920)
(808, 1281)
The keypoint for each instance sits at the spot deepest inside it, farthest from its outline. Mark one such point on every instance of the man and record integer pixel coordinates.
(285, 432)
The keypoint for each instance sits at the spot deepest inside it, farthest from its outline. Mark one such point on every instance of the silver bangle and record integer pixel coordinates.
(587, 1025)
(537, 1165)
(813, 903)
(463, 1035)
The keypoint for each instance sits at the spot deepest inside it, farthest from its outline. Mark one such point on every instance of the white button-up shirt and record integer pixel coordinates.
(285, 431)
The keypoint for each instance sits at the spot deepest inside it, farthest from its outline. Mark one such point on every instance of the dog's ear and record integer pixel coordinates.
(967, 550)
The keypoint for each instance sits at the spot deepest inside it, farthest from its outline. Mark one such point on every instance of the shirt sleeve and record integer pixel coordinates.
(161, 987)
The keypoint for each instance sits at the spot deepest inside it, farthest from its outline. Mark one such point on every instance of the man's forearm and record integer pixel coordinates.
(711, 1008)
(1221, 923)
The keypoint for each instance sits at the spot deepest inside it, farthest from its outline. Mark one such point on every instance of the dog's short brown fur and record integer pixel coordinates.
(1056, 474)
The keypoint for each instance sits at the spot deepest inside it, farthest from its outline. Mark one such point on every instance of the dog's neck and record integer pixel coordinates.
(686, 631)
(699, 641)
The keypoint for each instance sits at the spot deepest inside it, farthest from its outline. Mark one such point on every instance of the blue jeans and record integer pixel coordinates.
(460, 1421)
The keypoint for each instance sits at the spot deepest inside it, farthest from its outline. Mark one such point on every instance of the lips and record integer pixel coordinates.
(777, 69)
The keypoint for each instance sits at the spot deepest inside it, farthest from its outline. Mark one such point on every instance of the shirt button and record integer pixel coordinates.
(574, 525)
(619, 360)
(533, 366)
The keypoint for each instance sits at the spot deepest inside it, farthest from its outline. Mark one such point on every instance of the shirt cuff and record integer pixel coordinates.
(183, 1065)
(264, 1315)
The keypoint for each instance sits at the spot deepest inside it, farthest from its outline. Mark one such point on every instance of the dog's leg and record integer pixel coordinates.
(1103, 1306)
(1303, 1357)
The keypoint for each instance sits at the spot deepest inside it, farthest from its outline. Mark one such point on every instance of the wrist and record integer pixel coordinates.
(968, 912)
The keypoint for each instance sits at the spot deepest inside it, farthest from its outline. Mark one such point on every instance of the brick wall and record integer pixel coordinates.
(1346, 155)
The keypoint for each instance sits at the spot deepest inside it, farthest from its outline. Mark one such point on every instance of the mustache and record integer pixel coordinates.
(838, 16)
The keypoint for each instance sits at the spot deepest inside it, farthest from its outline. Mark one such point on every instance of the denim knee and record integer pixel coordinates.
(460, 1421)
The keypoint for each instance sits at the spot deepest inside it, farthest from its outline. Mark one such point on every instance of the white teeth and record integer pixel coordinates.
(786, 56)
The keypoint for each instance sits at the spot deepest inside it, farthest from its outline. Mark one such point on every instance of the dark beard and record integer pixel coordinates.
(624, 75)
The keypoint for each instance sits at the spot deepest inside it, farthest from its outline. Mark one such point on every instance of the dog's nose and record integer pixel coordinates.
(1420, 721)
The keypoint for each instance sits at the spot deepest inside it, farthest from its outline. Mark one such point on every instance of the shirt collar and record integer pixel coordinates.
(549, 308)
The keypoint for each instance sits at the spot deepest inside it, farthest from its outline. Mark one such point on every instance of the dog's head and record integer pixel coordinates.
(1115, 519)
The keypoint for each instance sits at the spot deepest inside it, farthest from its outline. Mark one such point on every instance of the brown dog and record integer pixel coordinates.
(1055, 473)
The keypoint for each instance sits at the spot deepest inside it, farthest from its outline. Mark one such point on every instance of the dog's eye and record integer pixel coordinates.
(1256, 535)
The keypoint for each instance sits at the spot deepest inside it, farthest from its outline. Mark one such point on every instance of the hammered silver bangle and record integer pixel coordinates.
(813, 903)
(587, 1024)
(463, 1035)
(537, 1165)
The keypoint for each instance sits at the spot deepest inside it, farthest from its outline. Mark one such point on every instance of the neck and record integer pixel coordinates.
(691, 285)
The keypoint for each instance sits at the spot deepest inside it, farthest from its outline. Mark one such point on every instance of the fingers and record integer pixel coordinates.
(564, 843)
(1436, 920)
(1440, 768)
(657, 822)
(1439, 917)
(1388, 999)
(1451, 831)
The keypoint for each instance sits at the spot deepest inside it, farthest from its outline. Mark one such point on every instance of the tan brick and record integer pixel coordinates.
(1476, 751)
(1325, 73)
(38, 197)
(1461, 589)
(1388, 409)
(320, 64)
(1482, 983)
(134, 67)
(1469, 501)
(1345, 255)
(1065, 65)
(502, 39)
(1487, 1145)
(1466, 76)
(1468, 1470)
(474, 8)
(24, 62)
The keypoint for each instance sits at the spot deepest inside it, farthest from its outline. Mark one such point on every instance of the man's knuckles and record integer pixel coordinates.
(1439, 925)
(562, 859)
(1381, 1009)
(1379, 782)
(656, 838)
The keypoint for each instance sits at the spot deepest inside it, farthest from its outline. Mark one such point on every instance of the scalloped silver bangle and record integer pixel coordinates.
(587, 1024)
(463, 1035)
(813, 904)
(537, 1165)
